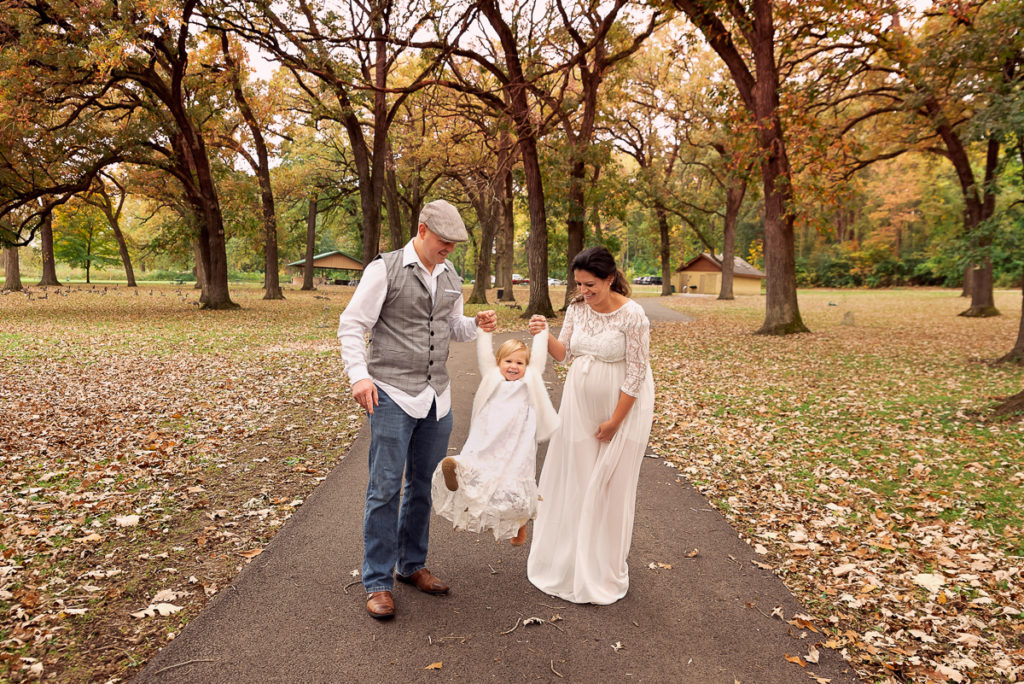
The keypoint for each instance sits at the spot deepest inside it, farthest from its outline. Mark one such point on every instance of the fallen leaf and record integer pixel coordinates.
(796, 659)
(617, 646)
(841, 570)
(250, 554)
(433, 666)
(126, 520)
(929, 581)
(156, 609)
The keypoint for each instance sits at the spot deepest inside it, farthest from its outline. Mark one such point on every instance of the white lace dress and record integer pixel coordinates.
(584, 520)
(496, 469)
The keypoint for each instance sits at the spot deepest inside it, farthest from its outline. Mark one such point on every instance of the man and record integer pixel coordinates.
(411, 301)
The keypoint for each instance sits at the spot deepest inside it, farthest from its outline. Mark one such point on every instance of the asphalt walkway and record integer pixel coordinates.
(297, 613)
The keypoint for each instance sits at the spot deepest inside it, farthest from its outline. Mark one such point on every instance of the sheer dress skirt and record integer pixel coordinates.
(585, 517)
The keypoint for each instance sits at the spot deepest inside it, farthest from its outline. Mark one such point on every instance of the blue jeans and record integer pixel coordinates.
(396, 538)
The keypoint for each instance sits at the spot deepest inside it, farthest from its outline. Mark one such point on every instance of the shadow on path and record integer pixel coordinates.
(288, 618)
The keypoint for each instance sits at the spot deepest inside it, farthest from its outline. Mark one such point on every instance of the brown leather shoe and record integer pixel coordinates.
(380, 605)
(424, 581)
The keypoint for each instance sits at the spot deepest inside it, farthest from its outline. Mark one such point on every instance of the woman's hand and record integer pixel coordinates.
(537, 324)
(607, 430)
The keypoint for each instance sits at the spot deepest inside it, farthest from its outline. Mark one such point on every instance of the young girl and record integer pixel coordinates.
(492, 484)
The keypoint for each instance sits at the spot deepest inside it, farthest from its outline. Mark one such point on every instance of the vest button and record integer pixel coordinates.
(431, 318)
(428, 376)
(431, 333)
(430, 363)
(431, 347)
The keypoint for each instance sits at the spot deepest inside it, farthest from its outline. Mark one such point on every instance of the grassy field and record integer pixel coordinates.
(148, 450)
(862, 463)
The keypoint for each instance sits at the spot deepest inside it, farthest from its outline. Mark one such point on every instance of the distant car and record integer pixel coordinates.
(354, 282)
(555, 281)
(519, 280)
(639, 280)
(654, 280)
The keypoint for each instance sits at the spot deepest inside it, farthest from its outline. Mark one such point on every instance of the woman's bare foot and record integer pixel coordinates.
(451, 480)
(520, 537)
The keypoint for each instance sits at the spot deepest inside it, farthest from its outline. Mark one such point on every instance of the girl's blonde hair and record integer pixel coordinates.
(510, 347)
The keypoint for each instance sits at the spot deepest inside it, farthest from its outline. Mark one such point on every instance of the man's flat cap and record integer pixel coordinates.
(444, 221)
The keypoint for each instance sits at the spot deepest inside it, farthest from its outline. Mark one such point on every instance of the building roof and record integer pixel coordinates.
(740, 267)
(335, 260)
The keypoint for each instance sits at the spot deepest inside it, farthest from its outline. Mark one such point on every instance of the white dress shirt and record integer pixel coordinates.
(361, 315)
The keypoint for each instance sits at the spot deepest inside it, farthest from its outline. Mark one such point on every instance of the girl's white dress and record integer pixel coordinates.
(584, 521)
(497, 468)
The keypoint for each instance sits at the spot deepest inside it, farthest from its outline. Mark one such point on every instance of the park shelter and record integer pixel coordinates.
(703, 275)
(332, 261)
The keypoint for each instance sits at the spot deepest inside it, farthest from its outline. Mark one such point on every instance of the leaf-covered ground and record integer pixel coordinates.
(148, 450)
(861, 462)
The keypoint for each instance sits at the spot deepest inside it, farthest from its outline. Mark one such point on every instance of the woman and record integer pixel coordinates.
(588, 485)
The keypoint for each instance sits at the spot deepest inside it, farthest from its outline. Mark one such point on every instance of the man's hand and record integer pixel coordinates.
(365, 393)
(537, 324)
(487, 321)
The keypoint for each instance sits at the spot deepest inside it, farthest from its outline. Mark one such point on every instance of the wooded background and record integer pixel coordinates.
(832, 143)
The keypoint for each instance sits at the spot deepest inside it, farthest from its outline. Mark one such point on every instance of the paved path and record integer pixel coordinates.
(287, 617)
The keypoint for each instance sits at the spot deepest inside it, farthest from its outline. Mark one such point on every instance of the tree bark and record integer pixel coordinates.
(46, 251)
(396, 221)
(537, 241)
(488, 214)
(665, 251)
(12, 270)
(1016, 355)
(271, 276)
(760, 94)
(122, 248)
(575, 223)
(733, 202)
(200, 271)
(307, 269)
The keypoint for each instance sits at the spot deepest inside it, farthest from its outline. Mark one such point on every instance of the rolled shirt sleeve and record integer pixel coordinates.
(359, 317)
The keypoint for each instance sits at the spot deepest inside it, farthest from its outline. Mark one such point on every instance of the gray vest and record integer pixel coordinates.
(409, 342)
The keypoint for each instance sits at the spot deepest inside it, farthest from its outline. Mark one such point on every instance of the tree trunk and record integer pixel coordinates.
(488, 214)
(965, 289)
(12, 270)
(396, 222)
(271, 277)
(46, 250)
(782, 315)
(307, 268)
(200, 271)
(575, 223)
(733, 202)
(760, 94)
(506, 228)
(537, 241)
(983, 303)
(122, 248)
(665, 252)
(1011, 407)
(1016, 355)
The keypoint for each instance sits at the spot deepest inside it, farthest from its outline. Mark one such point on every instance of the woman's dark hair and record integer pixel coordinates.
(599, 261)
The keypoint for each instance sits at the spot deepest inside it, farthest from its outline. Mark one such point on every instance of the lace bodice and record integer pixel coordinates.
(622, 335)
